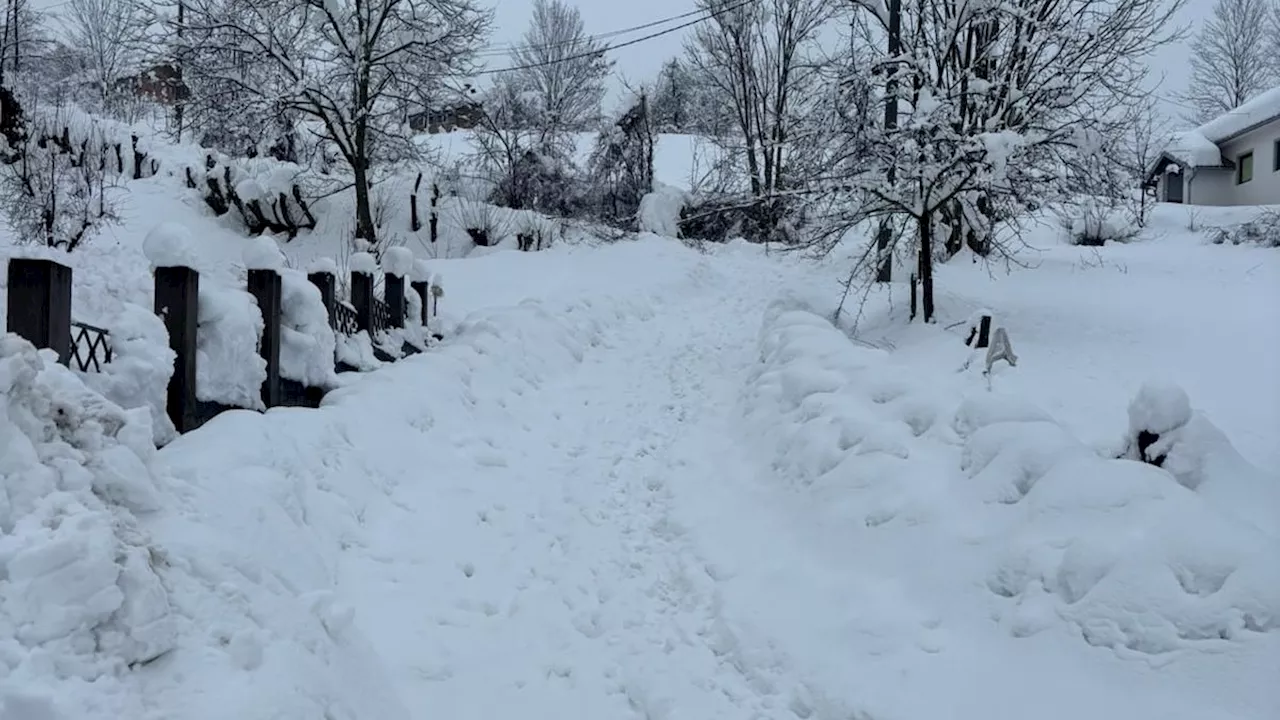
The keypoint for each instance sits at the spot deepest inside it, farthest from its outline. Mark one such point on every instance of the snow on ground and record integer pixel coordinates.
(643, 481)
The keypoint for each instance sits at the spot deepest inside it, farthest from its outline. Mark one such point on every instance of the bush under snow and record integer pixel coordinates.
(660, 210)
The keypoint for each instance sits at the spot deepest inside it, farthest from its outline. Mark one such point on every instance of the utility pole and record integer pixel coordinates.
(884, 235)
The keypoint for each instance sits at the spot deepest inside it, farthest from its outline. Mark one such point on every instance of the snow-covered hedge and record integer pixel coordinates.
(80, 598)
(1131, 555)
(1262, 231)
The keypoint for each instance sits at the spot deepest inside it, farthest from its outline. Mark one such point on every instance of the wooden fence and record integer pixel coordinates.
(39, 310)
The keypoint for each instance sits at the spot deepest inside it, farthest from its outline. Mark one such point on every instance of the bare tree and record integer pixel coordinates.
(109, 34)
(1232, 58)
(996, 100)
(347, 66)
(762, 61)
(561, 67)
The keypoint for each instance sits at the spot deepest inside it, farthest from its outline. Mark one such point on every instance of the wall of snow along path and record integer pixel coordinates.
(273, 505)
(123, 594)
(1128, 554)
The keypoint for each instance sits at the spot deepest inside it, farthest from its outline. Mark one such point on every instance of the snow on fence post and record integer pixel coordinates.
(177, 302)
(363, 268)
(40, 304)
(323, 273)
(398, 264)
(264, 261)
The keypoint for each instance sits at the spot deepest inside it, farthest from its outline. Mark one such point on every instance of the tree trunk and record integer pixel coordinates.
(926, 266)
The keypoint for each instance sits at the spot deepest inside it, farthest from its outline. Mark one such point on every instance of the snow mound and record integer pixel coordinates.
(307, 342)
(263, 253)
(840, 420)
(81, 599)
(229, 369)
(140, 368)
(660, 210)
(398, 261)
(1120, 553)
(170, 244)
(1125, 551)
(363, 262)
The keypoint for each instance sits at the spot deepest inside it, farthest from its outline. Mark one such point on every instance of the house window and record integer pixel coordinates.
(1244, 168)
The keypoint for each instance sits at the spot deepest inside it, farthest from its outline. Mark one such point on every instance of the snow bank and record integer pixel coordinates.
(229, 369)
(1126, 553)
(81, 600)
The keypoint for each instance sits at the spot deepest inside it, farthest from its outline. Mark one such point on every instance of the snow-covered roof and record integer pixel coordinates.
(1193, 149)
(1201, 147)
(1259, 110)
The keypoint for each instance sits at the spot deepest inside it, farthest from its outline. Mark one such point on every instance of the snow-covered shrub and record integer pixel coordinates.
(485, 224)
(80, 598)
(54, 181)
(1094, 223)
(267, 195)
(1263, 231)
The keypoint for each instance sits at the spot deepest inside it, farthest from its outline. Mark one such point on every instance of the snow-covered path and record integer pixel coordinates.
(590, 597)
(628, 488)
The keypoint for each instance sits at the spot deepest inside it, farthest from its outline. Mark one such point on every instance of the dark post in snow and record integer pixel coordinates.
(362, 300)
(435, 216)
(264, 286)
(980, 336)
(393, 294)
(884, 235)
(422, 287)
(40, 304)
(327, 284)
(177, 302)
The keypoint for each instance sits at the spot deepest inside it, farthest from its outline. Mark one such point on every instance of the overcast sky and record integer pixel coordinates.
(641, 62)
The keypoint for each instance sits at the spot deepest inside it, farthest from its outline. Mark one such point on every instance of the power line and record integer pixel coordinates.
(610, 48)
(512, 47)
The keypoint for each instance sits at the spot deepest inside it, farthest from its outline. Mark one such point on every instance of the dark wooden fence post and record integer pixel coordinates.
(177, 302)
(422, 287)
(265, 287)
(362, 300)
(393, 293)
(40, 304)
(327, 284)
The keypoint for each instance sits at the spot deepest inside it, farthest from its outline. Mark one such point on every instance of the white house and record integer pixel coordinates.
(1233, 159)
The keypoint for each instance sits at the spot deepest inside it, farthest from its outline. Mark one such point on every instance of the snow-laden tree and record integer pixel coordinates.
(109, 34)
(345, 68)
(1001, 103)
(560, 67)
(761, 62)
(670, 105)
(1233, 57)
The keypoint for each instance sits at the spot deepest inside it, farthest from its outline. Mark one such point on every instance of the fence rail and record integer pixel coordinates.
(345, 319)
(90, 347)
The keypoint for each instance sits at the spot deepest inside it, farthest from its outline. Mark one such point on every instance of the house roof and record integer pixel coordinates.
(1233, 123)
(1200, 147)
